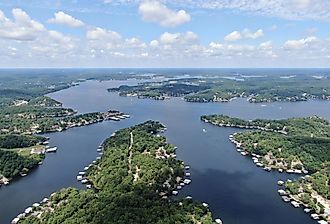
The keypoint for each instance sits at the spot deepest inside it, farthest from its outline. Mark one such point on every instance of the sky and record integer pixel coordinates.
(165, 33)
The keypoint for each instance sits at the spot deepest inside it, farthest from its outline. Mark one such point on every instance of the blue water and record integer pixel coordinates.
(237, 191)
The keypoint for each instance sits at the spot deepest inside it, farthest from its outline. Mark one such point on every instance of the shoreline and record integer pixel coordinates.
(105, 116)
(297, 202)
(259, 161)
(173, 185)
(216, 99)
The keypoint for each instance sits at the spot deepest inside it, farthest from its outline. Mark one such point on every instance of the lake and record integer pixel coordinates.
(236, 190)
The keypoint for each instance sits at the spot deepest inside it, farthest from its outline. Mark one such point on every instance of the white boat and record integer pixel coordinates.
(114, 119)
(84, 181)
(204, 130)
(175, 192)
(187, 181)
(53, 149)
(218, 221)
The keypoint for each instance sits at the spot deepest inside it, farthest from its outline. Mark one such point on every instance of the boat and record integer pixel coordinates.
(268, 169)
(295, 204)
(114, 119)
(286, 199)
(15, 220)
(53, 149)
(187, 181)
(218, 221)
(84, 181)
(307, 210)
(204, 130)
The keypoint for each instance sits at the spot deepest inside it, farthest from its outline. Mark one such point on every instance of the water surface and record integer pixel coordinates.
(237, 191)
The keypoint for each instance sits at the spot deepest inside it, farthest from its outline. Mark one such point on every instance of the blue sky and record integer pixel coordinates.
(163, 33)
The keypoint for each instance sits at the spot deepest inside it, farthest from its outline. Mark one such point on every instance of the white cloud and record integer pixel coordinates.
(178, 38)
(154, 11)
(245, 34)
(64, 19)
(135, 43)
(233, 36)
(287, 9)
(154, 43)
(22, 28)
(102, 34)
(299, 44)
(266, 45)
(26, 42)
(248, 34)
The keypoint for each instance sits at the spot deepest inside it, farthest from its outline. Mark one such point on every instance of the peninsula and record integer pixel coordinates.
(132, 180)
(222, 88)
(296, 145)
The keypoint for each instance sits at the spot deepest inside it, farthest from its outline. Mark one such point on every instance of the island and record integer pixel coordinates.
(295, 145)
(131, 181)
(222, 88)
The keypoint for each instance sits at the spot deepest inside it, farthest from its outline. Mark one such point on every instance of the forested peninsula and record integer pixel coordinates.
(295, 145)
(222, 88)
(131, 183)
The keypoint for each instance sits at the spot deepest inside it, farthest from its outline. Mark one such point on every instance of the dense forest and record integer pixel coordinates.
(158, 91)
(12, 164)
(12, 141)
(128, 181)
